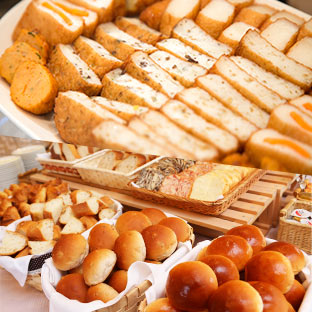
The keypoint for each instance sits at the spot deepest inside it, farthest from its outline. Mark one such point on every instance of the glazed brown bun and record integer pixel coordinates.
(235, 296)
(161, 305)
(295, 295)
(290, 251)
(291, 308)
(160, 242)
(272, 298)
(129, 247)
(155, 215)
(101, 292)
(98, 265)
(190, 284)
(223, 267)
(118, 280)
(69, 251)
(202, 254)
(182, 230)
(252, 234)
(132, 221)
(73, 287)
(271, 267)
(233, 247)
(102, 236)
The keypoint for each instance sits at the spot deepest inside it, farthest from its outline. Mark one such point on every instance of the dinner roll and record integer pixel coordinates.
(271, 267)
(272, 298)
(102, 236)
(293, 253)
(235, 296)
(233, 247)
(161, 305)
(155, 215)
(77, 269)
(252, 234)
(129, 247)
(73, 287)
(69, 251)
(291, 308)
(190, 284)
(223, 267)
(132, 221)
(102, 292)
(160, 242)
(202, 254)
(98, 265)
(295, 295)
(182, 230)
(118, 280)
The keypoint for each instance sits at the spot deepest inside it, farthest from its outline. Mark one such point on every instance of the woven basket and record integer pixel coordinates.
(293, 232)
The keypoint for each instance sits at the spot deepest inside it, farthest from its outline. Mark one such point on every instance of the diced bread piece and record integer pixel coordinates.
(41, 230)
(215, 16)
(283, 14)
(88, 221)
(282, 34)
(239, 4)
(36, 211)
(110, 159)
(106, 213)
(137, 29)
(133, 7)
(96, 56)
(301, 52)
(52, 22)
(66, 199)
(10, 215)
(284, 88)
(120, 86)
(305, 30)
(23, 253)
(56, 151)
(289, 120)
(66, 215)
(86, 150)
(130, 163)
(79, 196)
(164, 127)
(143, 68)
(185, 52)
(88, 208)
(175, 12)
(187, 119)
(53, 209)
(182, 71)
(122, 110)
(232, 99)
(234, 33)
(257, 49)
(23, 227)
(304, 103)
(70, 152)
(118, 42)
(191, 34)
(292, 154)
(215, 112)
(73, 226)
(12, 243)
(39, 248)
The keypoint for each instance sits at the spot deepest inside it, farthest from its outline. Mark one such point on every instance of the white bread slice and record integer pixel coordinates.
(143, 68)
(182, 71)
(39, 248)
(73, 226)
(70, 152)
(175, 12)
(187, 119)
(246, 84)
(86, 150)
(305, 30)
(215, 112)
(71, 72)
(110, 159)
(282, 34)
(239, 4)
(292, 154)
(215, 16)
(106, 213)
(257, 49)
(284, 88)
(283, 14)
(66, 199)
(12, 243)
(53, 209)
(79, 196)
(234, 33)
(301, 52)
(131, 163)
(122, 110)
(164, 127)
(41, 230)
(232, 99)
(304, 103)
(185, 52)
(56, 151)
(36, 211)
(290, 121)
(88, 208)
(66, 215)
(118, 42)
(191, 34)
(120, 86)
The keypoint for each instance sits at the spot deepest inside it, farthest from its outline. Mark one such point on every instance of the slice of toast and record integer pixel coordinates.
(70, 152)
(130, 163)
(305, 30)
(12, 243)
(110, 159)
(39, 248)
(301, 52)
(283, 14)
(304, 103)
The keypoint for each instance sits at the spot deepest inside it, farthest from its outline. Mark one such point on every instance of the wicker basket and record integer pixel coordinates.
(293, 232)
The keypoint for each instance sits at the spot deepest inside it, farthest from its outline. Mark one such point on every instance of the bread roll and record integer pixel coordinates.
(103, 235)
(271, 267)
(56, 232)
(101, 292)
(161, 305)
(160, 242)
(118, 280)
(290, 251)
(182, 230)
(73, 287)
(295, 295)
(235, 296)
(252, 234)
(190, 284)
(132, 221)
(233, 247)
(98, 265)
(129, 247)
(69, 251)
(155, 215)
(290, 308)
(77, 270)
(202, 254)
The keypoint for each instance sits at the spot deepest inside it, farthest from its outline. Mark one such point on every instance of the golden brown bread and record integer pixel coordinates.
(132, 221)
(161, 305)
(295, 295)
(155, 215)
(182, 230)
(88, 221)
(118, 280)
(10, 215)
(23, 227)
(101, 292)
(23, 253)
